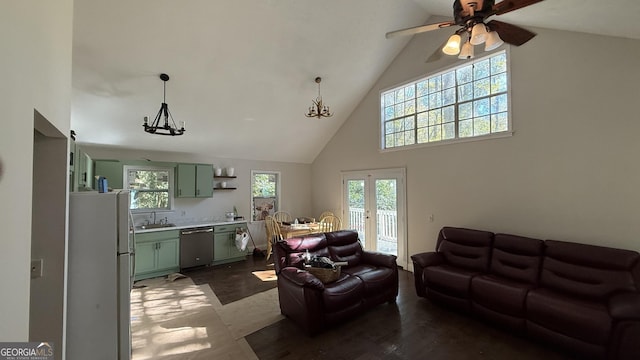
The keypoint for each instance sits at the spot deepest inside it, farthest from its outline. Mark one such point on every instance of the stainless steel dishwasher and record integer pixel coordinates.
(196, 247)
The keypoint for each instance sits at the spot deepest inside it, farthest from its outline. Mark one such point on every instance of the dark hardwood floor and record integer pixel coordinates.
(413, 328)
(234, 281)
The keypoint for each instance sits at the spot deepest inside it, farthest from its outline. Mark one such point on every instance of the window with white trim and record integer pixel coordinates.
(465, 101)
(151, 188)
(265, 193)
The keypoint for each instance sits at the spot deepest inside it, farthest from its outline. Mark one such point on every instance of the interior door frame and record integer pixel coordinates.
(367, 175)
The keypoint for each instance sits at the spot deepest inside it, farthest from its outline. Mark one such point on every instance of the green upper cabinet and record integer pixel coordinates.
(194, 180)
(110, 169)
(185, 180)
(204, 180)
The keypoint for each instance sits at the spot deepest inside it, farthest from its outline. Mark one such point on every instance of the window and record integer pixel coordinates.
(265, 193)
(150, 188)
(462, 102)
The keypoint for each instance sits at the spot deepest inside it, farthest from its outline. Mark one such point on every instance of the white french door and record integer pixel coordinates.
(373, 203)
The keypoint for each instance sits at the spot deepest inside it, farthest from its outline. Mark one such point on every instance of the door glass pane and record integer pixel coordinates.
(355, 194)
(387, 216)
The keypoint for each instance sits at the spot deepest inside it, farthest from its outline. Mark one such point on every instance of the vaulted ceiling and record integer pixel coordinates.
(242, 72)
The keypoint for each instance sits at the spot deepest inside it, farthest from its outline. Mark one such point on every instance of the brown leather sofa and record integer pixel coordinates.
(368, 280)
(583, 298)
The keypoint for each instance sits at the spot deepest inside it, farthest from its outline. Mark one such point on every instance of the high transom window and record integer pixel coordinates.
(465, 101)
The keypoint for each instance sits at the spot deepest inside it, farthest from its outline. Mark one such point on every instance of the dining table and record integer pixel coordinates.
(293, 230)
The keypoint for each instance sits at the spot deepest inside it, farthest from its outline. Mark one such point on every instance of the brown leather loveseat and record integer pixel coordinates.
(369, 279)
(583, 298)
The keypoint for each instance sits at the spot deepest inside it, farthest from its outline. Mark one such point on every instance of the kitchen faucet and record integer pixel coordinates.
(154, 217)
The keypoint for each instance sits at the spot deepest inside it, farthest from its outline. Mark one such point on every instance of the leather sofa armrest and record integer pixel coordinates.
(379, 259)
(428, 259)
(301, 278)
(625, 306)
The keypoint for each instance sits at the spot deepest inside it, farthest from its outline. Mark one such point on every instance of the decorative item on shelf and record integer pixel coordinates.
(318, 109)
(218, 172)
(169, 127)
(223, 184)
(230, 171)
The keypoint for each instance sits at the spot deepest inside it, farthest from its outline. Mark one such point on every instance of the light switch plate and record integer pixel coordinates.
(36, 268)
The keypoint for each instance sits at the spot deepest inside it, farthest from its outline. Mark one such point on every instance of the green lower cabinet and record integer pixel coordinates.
(157, 254)
(145, 258)
(224, 244)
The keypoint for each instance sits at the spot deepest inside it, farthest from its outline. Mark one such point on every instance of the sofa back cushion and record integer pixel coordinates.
(588, 270)
(466, 248)
(517, 257)
(344, 245)
(288, 252)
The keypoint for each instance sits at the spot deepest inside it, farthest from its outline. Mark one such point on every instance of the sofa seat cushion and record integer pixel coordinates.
(449, 280)
(377, 281)
(357, 270)
(584, 320)
(343, 293)
(502, 295)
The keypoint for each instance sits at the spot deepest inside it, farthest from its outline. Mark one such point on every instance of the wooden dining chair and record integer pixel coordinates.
(330, 223)
(282, 216)
(273, 233)
(325, 213)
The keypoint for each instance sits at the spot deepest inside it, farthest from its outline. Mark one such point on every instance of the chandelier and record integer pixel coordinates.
(476, 32)
(318, 109)
(169, 128)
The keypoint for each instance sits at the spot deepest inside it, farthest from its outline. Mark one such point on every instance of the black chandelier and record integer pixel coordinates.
(166, 129)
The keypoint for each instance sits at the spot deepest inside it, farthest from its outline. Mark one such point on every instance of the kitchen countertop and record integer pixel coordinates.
(190, 225)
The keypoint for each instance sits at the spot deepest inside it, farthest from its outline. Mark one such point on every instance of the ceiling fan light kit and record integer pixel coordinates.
(453, 45)
(318, 109)
(467, 51)
(471, 15)
(493, 41)
(478, 34)
(169, 127)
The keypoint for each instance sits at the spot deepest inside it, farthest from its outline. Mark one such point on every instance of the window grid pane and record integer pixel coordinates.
(466, 101)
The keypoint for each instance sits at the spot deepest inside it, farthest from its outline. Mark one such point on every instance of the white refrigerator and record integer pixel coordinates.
(101, 257)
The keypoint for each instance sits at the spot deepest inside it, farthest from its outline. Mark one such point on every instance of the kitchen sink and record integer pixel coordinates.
(156, 226)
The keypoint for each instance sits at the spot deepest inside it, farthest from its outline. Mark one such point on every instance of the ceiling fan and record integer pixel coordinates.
(471, 15)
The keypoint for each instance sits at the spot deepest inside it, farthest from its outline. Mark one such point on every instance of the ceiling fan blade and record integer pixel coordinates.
(506, 6)
(419, 29)
(511, 34)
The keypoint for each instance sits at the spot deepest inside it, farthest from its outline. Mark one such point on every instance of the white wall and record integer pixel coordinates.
(36, 62)
(570, 171)
(295, 185)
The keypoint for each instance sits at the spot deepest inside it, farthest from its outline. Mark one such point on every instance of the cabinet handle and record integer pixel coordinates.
(190, 232)
(198, 192)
